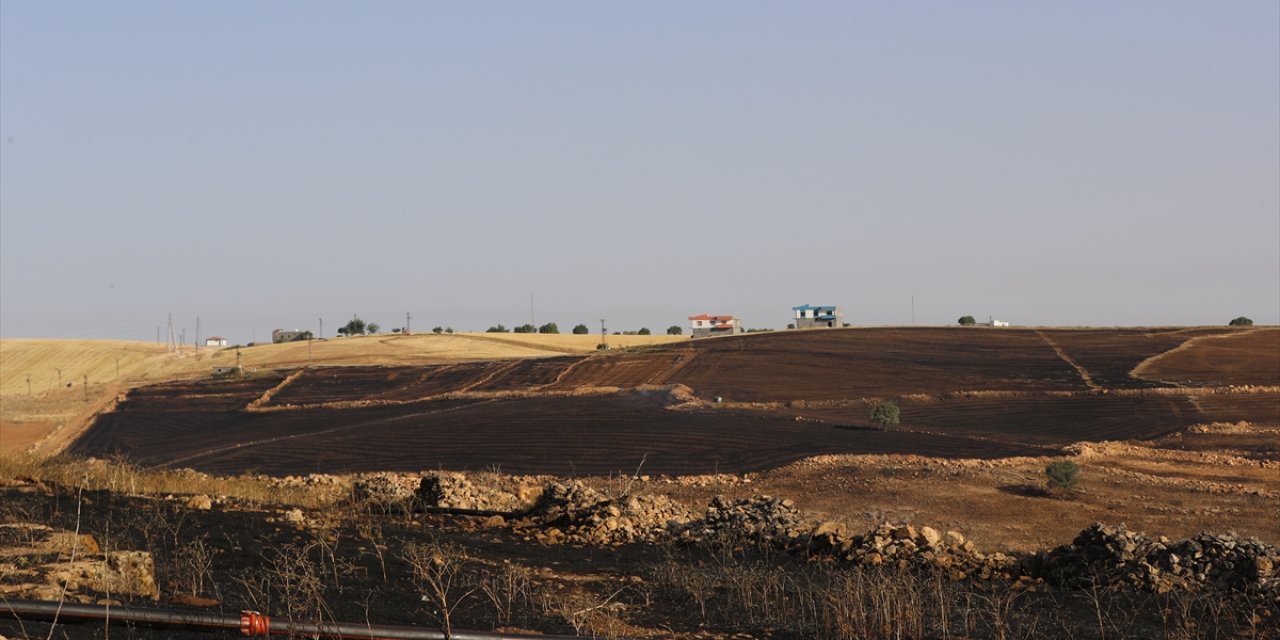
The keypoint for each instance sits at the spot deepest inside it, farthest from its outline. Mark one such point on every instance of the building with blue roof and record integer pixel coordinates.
(808, 316)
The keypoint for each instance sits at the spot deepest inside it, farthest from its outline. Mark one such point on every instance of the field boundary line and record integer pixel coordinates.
(1084, 374)
(256, 403)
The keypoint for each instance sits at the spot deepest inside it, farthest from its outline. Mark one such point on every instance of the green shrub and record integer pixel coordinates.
(967, 321)
(886, 413)
(1062, 475)
(644, 331)
(581, 330)
(675, 330)
(1241, 322)
(549, 327)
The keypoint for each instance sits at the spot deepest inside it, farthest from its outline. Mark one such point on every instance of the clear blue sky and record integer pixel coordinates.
(264, 165)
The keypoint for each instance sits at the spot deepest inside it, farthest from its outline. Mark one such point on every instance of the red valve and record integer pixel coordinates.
(255, 624)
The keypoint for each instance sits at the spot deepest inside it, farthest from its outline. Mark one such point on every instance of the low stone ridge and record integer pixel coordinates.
(574, 512)
(1113, 555)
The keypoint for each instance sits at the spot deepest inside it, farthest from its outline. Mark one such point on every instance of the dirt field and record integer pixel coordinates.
(56, 398)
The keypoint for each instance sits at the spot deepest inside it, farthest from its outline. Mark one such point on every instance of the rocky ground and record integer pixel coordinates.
(1169, 539)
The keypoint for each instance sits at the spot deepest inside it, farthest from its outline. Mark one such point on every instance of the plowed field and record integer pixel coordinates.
(761, 401)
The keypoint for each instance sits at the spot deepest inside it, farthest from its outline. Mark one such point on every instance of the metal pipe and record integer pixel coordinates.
(249, 623)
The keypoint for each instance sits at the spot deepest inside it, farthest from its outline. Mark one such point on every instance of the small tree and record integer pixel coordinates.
(1062, 475)
(886, 413)
(497, 328)
(374, 327)
(791, 325)
(644, 331)
(549, 327)
(1241, 322)
(967, 321)
(675, 330)
(581, 330)
(354, 327)
(525, 328)
(448, 329)
(437, 329)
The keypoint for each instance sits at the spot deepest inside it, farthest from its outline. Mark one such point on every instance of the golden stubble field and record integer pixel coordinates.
(43, 381)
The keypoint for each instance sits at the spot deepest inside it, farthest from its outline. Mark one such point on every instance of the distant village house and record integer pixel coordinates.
(809, 316)
(281, 335)
(215, 341)
(707, 325)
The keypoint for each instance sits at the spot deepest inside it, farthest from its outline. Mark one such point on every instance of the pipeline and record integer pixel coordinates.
(248, 623)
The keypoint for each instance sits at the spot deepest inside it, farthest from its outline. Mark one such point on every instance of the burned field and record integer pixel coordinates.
(723, 405)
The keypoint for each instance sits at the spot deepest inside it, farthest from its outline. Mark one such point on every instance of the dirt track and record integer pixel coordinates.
(964, 393)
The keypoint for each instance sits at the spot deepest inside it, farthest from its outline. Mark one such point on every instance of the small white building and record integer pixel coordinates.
(999, 323)
(215, 341)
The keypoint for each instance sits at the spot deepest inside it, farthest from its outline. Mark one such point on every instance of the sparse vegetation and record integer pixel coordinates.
(497, 328)
(1241, 322)
(885, 414)
(549, 327)
(1062, 475)
(525, 328)
(967, 321)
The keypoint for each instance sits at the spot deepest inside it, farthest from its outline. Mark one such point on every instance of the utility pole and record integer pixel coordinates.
(182, 341)
(533, 323)
(197, 343)
(173, 342)
(408, 326)
(604, 334)
(86, 387)
(157, 335)
(322, 328)
(913, 309)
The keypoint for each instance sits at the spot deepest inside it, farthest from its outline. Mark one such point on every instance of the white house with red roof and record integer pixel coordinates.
(707, 325)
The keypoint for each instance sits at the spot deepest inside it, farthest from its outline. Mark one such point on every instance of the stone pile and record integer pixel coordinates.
(1116, 556)
(761, 519)
(457, 491)
(385, 490)
(575, 513)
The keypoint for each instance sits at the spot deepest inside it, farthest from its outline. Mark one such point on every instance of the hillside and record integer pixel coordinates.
(743, 403)
(58, 369)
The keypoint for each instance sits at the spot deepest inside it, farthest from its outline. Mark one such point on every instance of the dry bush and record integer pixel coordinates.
(508, 589)
(439, 576)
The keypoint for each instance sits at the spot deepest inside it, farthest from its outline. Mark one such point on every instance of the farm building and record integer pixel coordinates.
(999, 323)
(707, 325)
(215, 341)
(809, 316)
(281, 335)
